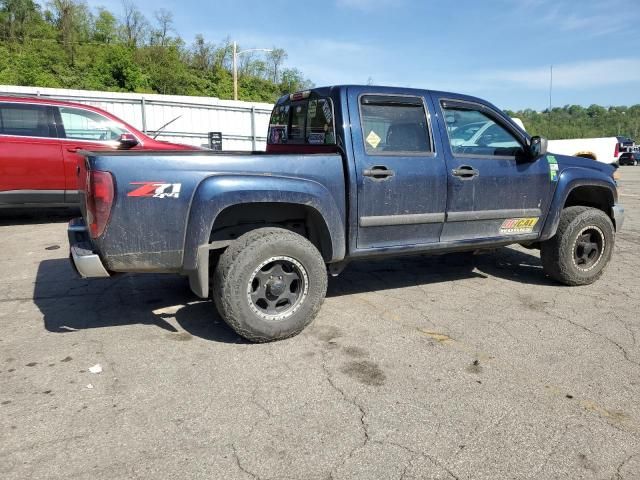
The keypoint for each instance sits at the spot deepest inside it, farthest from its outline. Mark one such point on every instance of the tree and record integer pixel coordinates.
(222, 56)
(72, 19)
(276, 58)
(160, 34)
(596, 111)
(202, 53)
(115, 68)
(71, 46)
(293, 81)
(105, 27)
(134, 25)
(15, 15)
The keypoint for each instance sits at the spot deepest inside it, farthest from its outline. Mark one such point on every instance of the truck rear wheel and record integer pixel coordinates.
(269, 284)
(581, 247)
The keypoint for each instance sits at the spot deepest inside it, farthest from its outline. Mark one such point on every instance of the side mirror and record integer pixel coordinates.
(127, 140)
(537, 147)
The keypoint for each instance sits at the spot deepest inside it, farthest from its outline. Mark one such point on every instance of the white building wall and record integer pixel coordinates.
(198, 115)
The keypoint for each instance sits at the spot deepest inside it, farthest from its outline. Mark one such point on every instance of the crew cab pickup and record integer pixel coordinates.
(349, 172)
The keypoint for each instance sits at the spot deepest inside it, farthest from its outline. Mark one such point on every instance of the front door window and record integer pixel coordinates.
(86, 125)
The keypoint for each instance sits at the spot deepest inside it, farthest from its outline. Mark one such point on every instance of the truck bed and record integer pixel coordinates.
(157, 193)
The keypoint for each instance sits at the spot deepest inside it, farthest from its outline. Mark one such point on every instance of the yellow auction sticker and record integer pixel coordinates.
(518, 225)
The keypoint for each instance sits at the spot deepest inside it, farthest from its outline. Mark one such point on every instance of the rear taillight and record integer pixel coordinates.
(99, 201)
(616, 151)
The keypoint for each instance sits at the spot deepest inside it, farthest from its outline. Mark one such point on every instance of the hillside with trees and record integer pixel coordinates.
(574, 121)
(66, 44)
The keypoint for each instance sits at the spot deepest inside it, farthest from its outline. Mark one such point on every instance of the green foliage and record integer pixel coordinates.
(105, 27)
(66, 45)
(574, 121)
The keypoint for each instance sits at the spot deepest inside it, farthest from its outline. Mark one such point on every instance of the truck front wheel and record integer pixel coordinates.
(581, 247)
(269, 284)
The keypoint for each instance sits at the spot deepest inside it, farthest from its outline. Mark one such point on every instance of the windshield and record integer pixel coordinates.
(307, 121)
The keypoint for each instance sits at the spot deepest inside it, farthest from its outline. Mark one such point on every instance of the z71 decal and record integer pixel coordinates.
(155, 190)
(518, 225)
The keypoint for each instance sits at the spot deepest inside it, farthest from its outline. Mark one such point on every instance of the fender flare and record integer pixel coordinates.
(217, 192)
(569, 180)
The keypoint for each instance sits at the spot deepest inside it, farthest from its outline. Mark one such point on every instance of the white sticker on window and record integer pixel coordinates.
(313, 107)
(373, 139)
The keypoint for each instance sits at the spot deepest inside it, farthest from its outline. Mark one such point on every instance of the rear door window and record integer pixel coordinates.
(394, 125)
(303, 121)
(26, 120)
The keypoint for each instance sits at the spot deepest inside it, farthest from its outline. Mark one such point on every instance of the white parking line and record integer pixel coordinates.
(629, 195)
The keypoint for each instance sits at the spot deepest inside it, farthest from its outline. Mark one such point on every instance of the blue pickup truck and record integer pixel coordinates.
(349, 172)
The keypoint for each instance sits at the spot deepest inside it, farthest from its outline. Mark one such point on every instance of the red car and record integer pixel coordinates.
(39, 140)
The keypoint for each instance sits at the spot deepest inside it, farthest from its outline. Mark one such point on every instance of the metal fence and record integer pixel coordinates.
(243, 124)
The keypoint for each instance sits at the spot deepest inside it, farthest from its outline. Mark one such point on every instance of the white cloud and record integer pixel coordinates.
(577, 75)
(590, 17)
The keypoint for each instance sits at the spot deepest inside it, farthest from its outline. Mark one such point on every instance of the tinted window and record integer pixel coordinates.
(305, 121)
(25, 120)
(475, 133)
(394, 125)
(85, 125)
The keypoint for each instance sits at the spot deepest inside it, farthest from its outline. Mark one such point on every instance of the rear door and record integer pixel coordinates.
(493, 190)
(401, 181)
(31, 164)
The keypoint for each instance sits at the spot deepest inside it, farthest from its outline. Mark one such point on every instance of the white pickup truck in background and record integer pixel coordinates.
(604, 149)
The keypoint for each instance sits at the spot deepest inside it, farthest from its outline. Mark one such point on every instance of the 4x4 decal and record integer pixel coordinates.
(155, 190)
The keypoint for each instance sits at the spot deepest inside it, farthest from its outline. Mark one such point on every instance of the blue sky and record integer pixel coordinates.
(497, 49)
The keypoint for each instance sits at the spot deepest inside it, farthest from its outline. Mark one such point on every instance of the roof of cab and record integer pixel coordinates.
(327, 90)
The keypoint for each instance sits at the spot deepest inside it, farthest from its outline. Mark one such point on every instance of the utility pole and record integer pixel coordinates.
(235, 71)
(235, 64)
(550, 93)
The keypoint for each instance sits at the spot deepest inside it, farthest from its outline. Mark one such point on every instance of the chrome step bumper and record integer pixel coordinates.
(85, 261)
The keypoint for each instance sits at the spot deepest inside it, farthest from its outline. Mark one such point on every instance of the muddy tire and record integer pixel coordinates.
(581, 248)
(269, 284)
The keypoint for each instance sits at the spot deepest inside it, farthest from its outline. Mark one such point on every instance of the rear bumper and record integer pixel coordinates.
(84, 260)
(617, 213)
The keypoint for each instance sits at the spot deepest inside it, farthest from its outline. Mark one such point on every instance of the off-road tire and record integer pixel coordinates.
(232, 276)
(558, 254)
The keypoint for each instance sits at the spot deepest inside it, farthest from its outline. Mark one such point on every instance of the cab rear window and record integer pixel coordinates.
(304, 119)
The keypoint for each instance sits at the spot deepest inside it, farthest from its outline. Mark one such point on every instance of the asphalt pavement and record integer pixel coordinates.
(416, 368)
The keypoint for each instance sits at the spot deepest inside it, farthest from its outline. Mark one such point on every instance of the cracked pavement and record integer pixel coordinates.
(416, 368)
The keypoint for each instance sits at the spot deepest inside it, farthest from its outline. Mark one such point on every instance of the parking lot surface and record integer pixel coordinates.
(420, 367)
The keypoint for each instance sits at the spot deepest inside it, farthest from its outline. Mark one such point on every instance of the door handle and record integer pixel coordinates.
(73, 149)
(379, 172)
(465, 172)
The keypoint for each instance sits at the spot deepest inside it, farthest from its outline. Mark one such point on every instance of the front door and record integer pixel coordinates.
(493, 190)
(83, 129)
(401, 180)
